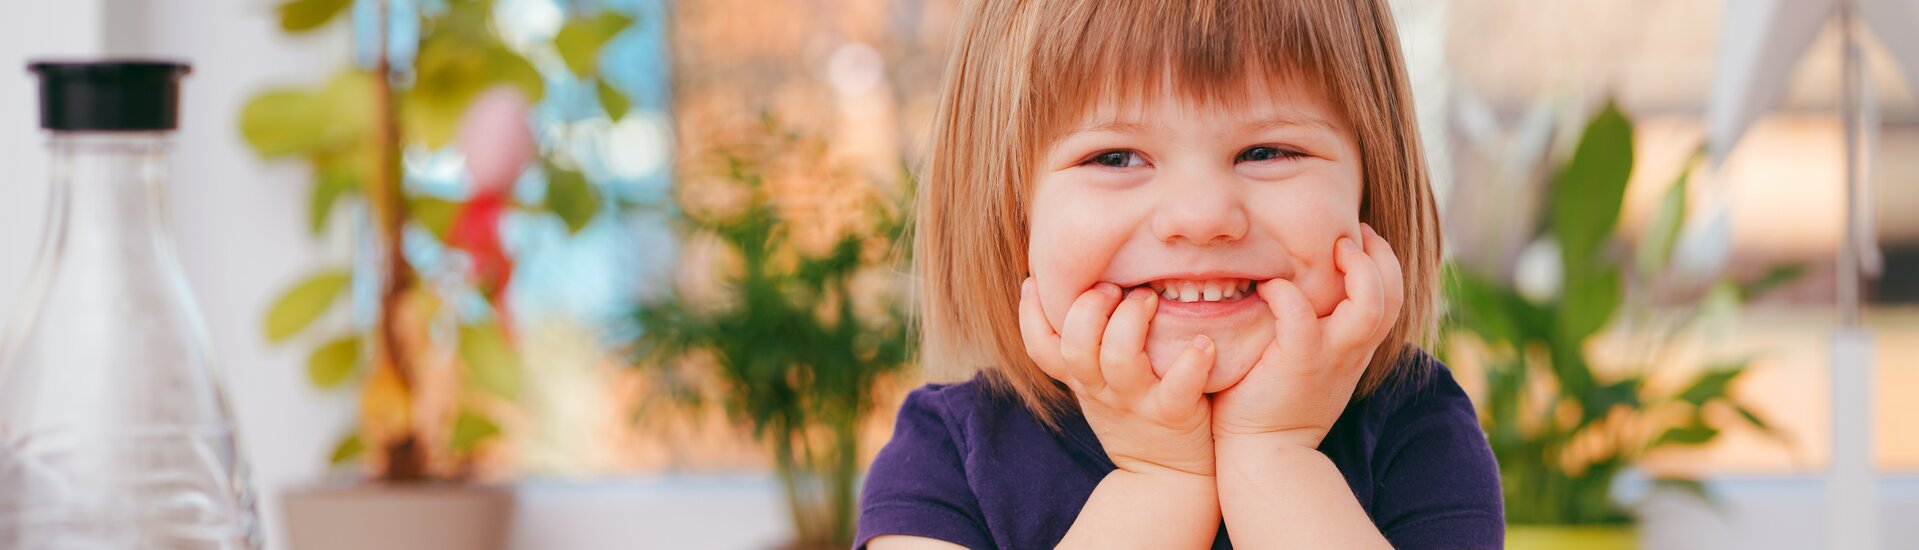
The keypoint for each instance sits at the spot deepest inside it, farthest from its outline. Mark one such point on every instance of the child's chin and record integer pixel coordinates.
(1239, 349)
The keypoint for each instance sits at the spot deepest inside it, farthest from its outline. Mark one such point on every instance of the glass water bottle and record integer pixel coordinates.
(114, 430)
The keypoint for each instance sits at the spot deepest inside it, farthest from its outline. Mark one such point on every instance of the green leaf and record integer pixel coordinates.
(1572, 372)
(278, 123)
(347, 449)
(1686, 435)
(1489, 310)
(504, 66)
(452, 70)
(350, 103)
(1601, 400)
(304, 15)
(469, 429)
(580, 39)
(1720, 305)
(1655, 246)
(490, 362)
(615, 102)
(330, 365)
(1712, 384)
(334, 181)
(304, 303)
(571, 197)
(433, 214)
(1760, 424)
(1587, 197)
(429, 119)
(1773, 279)
(1588, 304)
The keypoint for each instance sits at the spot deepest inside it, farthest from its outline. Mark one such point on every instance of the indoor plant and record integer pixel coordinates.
(431, 348)
(797, 336)
(1562, 421)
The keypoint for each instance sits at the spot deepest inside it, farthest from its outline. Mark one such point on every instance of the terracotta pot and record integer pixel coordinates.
(399, 517)
(1571, 537)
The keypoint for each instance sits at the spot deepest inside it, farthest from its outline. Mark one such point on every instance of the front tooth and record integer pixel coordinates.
(1211, 291)
(1231, 291)
(1188, 292)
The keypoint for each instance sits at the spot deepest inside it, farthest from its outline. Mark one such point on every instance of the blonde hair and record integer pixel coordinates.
(1021, 70)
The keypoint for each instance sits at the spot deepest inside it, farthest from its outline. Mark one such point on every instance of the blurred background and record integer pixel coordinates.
(651, 259)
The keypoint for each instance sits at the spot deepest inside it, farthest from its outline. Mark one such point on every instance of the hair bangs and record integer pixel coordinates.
(1120, 54)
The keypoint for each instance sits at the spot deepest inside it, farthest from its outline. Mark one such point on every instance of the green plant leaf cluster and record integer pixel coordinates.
(1561, 426)
(580, 42)
(335, 127)
(797, 363)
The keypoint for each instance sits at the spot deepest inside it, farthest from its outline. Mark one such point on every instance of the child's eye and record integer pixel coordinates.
(1116, 159)
(1265, 152)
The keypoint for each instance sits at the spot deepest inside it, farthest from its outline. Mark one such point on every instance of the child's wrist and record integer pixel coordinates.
(1155, 469)
(1265, 442)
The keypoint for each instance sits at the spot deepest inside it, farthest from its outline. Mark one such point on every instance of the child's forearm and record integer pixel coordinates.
(1277, 494)
(1148, 509)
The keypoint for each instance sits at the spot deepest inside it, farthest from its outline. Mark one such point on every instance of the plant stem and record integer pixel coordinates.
(785, 467)
(840, 481)
(406, 460)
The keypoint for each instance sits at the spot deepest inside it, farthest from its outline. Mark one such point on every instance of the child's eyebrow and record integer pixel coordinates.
(1269, 122)
(1111, 125)
(1289, 120)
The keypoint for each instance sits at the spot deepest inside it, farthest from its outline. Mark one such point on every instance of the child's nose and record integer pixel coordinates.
(1202, 211)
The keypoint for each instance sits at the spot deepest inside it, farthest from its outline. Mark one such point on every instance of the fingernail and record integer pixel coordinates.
(1345, 243)
(1139, 294)
(1026, 287)
(1202, 343)
(1369, 229)
(1109, 289)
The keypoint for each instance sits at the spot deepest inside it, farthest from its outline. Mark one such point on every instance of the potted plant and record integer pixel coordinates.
(801, 327)
(430, 347)
(1562, 421)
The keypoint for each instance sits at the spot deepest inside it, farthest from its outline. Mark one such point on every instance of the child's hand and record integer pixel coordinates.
(1142, 420)
(1304, 379)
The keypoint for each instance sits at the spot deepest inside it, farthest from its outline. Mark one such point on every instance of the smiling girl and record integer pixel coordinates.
(1189, 246)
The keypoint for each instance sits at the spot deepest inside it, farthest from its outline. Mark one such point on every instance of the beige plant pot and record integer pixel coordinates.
(399, 517)
(1571, 537)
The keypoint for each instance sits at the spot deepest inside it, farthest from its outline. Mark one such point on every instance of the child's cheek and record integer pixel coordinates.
(1068, 252)
(1059, 278)
(1323, 283)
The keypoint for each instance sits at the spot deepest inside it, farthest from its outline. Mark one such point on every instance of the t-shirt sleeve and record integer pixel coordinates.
(917, 485)
(1438, 484)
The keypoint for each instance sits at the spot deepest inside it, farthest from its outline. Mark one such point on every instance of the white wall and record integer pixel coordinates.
(239, 223)
(34, 30)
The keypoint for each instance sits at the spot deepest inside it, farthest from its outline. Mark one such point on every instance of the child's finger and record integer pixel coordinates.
(1296, 322)
(1042, 344)
(1182, 391)
(1122, 350)
(1353, 321)
(1079, 337)
(1390, 274)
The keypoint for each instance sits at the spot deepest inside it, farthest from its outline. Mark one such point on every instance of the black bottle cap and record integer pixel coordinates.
(111, 95)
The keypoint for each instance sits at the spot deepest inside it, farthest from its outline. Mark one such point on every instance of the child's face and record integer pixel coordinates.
(1170, 194)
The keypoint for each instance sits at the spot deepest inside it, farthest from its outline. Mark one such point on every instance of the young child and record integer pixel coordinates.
(1189, 246)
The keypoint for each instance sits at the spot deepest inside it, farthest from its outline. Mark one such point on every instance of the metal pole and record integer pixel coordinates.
(1851, 520)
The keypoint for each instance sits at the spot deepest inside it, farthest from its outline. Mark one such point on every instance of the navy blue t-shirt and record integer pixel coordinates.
(970, 465)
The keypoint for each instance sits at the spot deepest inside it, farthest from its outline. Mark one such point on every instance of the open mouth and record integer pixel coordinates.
(1210, 290)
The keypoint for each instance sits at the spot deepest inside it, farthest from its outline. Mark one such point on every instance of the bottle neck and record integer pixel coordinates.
(107, 205)
(111, 182)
